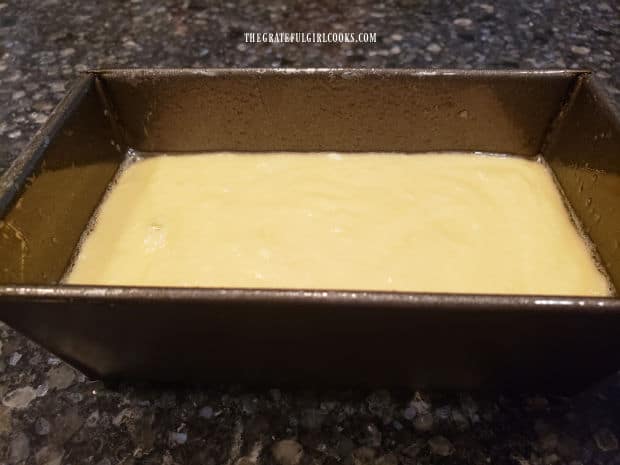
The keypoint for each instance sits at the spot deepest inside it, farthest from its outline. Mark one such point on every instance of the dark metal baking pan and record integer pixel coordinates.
(298, 336)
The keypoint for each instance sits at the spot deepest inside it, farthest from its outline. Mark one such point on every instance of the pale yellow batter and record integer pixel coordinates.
(431, 223)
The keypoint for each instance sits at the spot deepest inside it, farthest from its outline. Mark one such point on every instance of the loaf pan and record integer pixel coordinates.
(311, 337)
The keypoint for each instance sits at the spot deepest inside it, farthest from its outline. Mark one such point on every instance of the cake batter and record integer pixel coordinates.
(461, 223)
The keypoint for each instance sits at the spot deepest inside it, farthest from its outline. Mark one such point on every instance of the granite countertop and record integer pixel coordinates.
(51, 414)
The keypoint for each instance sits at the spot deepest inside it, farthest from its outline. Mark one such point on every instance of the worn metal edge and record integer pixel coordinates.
(343, 72)
(482, 302)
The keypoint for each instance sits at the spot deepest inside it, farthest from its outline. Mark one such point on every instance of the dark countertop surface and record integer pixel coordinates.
(51, 414)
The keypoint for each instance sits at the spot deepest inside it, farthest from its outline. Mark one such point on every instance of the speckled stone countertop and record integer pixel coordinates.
(51, 414)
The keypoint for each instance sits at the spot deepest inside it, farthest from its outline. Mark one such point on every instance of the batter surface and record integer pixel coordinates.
(433, 223)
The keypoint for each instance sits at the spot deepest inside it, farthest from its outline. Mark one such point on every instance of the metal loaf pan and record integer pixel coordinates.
(306, 337)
